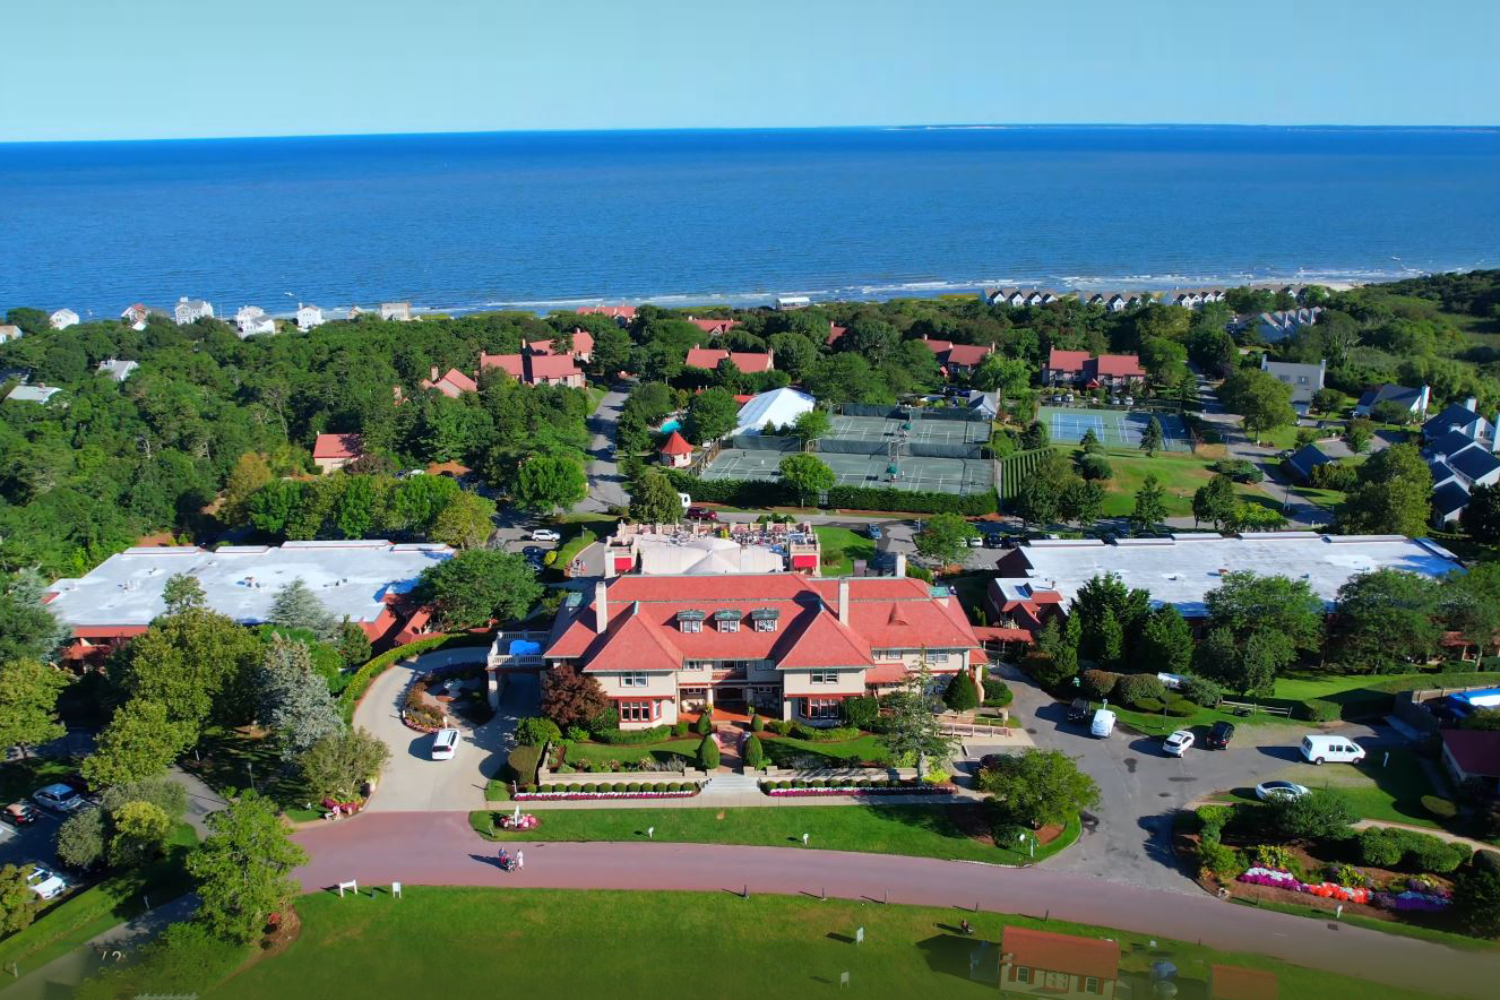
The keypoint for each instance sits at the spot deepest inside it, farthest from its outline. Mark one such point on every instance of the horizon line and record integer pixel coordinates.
(911, 126)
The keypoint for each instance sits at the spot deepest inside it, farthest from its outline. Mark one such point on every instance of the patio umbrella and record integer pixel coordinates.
(1162, 971)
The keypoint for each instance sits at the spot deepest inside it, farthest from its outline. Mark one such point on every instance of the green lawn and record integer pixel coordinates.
(597, 753)
(654, 945)
(932, 831)
(1374, 789)
(863, 748)
(1180, 476)
(228, 760)
(843, 546)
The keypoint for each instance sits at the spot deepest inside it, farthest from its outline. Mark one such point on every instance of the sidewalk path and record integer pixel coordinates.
(59, 977)
(1452, 838)
(440, 849)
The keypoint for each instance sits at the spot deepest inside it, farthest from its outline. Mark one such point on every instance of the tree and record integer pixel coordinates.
(353, 644)
(251, 471)
(1476, 899)
(960, 694)
(339, 764)
(1274, 617)
(708, 753)
(711, 415)
(915, 732)
(1263, 400)
(27, 628)
(1081, 502)
(18, 904)
(1166, 642)
(549, 482)
(1150, 506)
(1003, 374)
(1384, 620)
(1090, 443)
(182, 592)
(1039, 787)
(1035, 436)
(141, 828)
(1319, 815)
(1251, 516)
(1481, 518)
(28, 704)
(795, 353)
(1039, 499)
(755, 753)
(812, 425)
(141, 741)
(1391, 496)
(1357, 434)
(243, 869)
(653, 499)
(80, 839)
(1152, 439)
(806, 474)
(296, 606)
(944, 538)
(1213, 351)
(466, 522)
(295, 701)
(478, 585)
(1216, 501)
(571, 698)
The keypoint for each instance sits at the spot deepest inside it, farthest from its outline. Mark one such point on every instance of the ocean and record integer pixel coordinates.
(551, 220)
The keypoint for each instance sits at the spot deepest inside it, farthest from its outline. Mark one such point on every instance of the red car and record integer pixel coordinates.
(19, 813)
(702, 514)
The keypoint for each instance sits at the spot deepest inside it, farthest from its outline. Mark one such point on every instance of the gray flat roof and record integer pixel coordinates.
(1180, 570)
(350, 578)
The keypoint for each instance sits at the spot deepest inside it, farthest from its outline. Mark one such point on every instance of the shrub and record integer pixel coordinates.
(799, 783)
(1180, 708)
(1147, 705)
(1439, 807)
(605, 720)
(1488, 860)
(1426, 853)
(960, 694)
(705, 724)
(633, 786)
(1476, 898)
(577, 734)
(589, 786)
(708, 754)
(757, 724)
(1202, 691)
(997, 694)
(832, 734)
(755, 754)
(1381, 847)
(781, 727)
(1239, 469)
(535, 731)
(1217, 861)
(1098, 684)
(680, 728)
(1211, 821)
(1274, 856)
(1094, 466)
(530, 787)
(523, 762)
(1136, 688)
(820, 783)
(1322, 710)
(861, 712)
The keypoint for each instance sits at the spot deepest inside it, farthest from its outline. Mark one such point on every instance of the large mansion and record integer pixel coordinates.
(792, 646)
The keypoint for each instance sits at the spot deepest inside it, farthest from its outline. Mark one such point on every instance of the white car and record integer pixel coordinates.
(45, 883)
(1178, 743)
(58, 797)
(1268, 790)
(544, 535)
(444, 744)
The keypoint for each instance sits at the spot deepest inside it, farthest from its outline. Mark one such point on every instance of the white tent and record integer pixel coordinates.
(779, 407)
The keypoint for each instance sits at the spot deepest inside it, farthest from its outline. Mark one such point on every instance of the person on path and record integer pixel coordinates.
(520, 860)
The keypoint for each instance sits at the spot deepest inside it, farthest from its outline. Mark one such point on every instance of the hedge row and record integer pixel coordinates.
(365, 675)
(758, 493)
(853, 784)
(611, 788)
(523, 762)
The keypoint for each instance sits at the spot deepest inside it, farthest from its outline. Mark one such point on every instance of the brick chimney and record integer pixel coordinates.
(601, 606)
(844, 600)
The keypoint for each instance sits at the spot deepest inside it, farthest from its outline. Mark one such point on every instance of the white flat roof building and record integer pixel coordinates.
(351, 578)
(779, 407)
(1182, 569)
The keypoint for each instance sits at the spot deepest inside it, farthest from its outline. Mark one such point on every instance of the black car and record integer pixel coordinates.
(1219, 736)
(994, 540)
(1080, 710)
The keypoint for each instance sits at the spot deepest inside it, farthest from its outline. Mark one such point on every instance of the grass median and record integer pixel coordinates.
(954, 832)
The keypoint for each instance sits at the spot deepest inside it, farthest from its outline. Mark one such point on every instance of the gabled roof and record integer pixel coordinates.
(834, 333)
(1061, 953)
(676, 445)
(1475, 462)
(1067, 361)
(1450, 498)
(1476, 751)
(746, 361)
(1120, 365)
(1440, 472)
(714, 325)
(540, 366)
(1453, 415)
(968, 354)
(338, 446)
(1306, 459)
(453, 384)
(1231, 982)
(613, 312)
(583, 343)
(1391, 393)
(826, 642)
(512, 364)
(938, 346)
(1450, 443)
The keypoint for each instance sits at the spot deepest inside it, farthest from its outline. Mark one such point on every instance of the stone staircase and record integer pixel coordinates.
(730, 783)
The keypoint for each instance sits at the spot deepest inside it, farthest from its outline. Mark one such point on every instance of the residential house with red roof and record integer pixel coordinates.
(452, 384)
(834, 333)
(793, 646)
(622, 315)
(1079, 369)
(1040, 963)
(714, 325)
(331, 452)
(537, 369)
(1231, 982)
(748, 362)
(958, 359)
(582, 350)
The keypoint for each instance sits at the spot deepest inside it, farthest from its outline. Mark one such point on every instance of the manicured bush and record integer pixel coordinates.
(1094, 466)
(755, 754)
(833, 734)
(1179, 707)
(589, 786)
(781, 727)
(1380, 847)
(1488, 860)
(1439, 807)
(960, 694)
(1133, 689)
(632, 737)
(997, 694)
(757, 723)
(1201, 691)
(705, 724)
(1426, 854)
(536, 731)
(820, 783)
(619, 786)
(799, 782)
(522, 763)
(680, 728)
(1147, 705)
(1211, 821)
(1216, 860)
(1321, 710)
(861, 712)
(708, 754)
(1098, 684)
(633, 786)
(529, 788)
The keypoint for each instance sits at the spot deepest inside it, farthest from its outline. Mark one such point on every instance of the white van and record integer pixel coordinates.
(1103, 724)
(687, 501)
(444, 744)
(1318, 748)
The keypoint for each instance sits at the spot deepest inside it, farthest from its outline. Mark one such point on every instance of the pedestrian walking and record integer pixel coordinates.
(520, 860)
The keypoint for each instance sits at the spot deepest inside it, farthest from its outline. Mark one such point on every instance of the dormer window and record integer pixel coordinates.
(727, 620)
(690, 621)
(765, 619)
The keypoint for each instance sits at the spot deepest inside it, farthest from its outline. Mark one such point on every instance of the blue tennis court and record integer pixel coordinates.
(1068, 425)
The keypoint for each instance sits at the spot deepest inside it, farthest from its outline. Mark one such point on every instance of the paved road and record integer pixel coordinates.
(606, 485)
(440, 849)
(413, 781)
(60, 976)
(1129, 839)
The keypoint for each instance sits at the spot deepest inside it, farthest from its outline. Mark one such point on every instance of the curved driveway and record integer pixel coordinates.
(441, 849)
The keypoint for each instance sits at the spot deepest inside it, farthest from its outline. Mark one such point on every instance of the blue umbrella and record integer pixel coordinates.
(1161, 971)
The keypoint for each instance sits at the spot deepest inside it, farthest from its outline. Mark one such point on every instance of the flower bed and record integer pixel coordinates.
(1419, 897)
(619, 790)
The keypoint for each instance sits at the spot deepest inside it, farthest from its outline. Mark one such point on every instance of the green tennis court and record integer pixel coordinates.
(1068, 425)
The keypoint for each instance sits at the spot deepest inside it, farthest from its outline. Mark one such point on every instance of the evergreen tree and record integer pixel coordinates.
(708, 754)
(654, 500)
(27, 628)
(1152, 439)
(960, 694)
(353, 643)
(295, 701)
(1166, 643)
(1150, 506)
(1090, 443)
(915, 732)
(182, 592)
(296, 606)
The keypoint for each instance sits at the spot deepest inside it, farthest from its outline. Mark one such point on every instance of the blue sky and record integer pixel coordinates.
(103, 69)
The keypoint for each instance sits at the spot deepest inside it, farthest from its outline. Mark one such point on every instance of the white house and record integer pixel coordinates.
(33, 393)
(191, 310)
(9, 333)
(252, 320)
(117, 370)
(399, 312)
(308, 316)
(136, 316)
(1116, 303)
(1277, 326)
(63, 318)
(1414, 401)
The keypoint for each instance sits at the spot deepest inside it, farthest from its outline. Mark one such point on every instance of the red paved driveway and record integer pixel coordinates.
(441, 849)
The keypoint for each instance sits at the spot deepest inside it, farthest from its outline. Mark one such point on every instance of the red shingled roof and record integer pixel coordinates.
(1067, 361)
(834, 333)
(583, 343)
(338, 446)
(967, 354)
(676, 445)
(453, 384)
(1230, 982)
(714, 325)
(511, 364)
(540, 366)
(938, 346)
(1061, 953)
(1121, 365)
(614, 312)
(709, 358)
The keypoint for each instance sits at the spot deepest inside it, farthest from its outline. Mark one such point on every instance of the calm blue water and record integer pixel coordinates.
(467, 221)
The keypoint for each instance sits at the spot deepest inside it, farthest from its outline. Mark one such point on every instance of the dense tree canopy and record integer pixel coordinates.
(479, 585)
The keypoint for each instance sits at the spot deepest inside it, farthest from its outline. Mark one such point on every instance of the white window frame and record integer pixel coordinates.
(697, 665)
(1023, 974)
(636, 678)
(765, 624)
(729, 624)
(690, 624)
(937, 656)
(1091, 985)
(823, 677)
